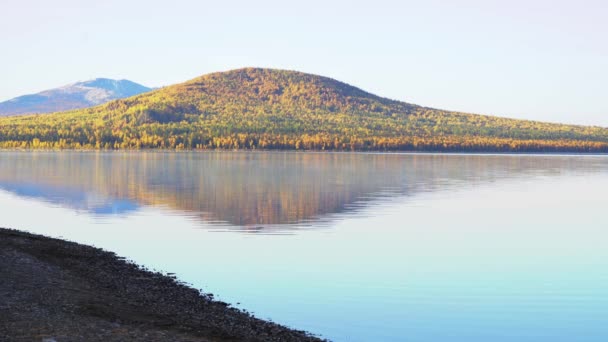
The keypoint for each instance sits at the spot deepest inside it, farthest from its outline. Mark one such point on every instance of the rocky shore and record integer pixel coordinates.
(54, 290)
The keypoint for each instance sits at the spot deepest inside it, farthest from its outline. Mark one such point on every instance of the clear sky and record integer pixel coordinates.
(545, 60)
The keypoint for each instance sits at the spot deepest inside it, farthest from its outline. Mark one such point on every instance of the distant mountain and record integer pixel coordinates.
(256, 108)
(72, 96)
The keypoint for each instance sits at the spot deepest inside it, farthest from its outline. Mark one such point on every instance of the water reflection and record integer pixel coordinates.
(261, 190)
(419, 247)
(72, 198)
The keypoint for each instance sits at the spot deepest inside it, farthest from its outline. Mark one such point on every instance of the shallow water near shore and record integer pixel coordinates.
(351, 246)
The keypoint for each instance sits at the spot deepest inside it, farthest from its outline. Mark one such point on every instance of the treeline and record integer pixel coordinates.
(318, 143)
(270, 109)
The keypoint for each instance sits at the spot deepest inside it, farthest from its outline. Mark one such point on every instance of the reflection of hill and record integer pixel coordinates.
(247, 189)
(71, 198)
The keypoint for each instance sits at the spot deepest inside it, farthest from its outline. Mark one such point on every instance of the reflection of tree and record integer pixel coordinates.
(248, 189)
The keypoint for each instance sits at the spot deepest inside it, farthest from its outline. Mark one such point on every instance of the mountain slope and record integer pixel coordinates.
(276, 109)
(72, 96)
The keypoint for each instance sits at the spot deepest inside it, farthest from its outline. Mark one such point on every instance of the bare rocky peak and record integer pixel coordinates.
(72, 96)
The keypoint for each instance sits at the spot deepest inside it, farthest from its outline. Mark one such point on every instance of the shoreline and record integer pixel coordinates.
(56, 290)
(389, 152)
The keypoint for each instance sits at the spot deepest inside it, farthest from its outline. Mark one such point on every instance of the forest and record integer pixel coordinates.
(256, 108)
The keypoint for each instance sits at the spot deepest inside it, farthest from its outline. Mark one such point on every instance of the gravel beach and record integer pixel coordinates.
(54, 290)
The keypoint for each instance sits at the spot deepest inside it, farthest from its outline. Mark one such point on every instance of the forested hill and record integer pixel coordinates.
(256, 108)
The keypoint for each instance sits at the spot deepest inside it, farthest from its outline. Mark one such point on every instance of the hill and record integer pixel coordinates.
(72, 96)
(256, 108)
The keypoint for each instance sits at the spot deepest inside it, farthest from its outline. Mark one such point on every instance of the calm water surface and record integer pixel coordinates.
(354, 247)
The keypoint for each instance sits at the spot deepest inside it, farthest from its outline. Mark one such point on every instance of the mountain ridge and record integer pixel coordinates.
(75, 95)
(259, 108)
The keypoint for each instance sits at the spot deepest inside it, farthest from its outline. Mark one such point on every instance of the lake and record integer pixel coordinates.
(351, 246)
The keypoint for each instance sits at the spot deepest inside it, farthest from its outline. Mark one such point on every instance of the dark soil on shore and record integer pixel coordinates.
(54, 290)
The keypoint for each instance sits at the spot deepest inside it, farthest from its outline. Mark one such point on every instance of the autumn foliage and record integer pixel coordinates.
(274, 109)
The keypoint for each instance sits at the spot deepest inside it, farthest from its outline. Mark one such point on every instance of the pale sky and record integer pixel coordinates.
(543, 60)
